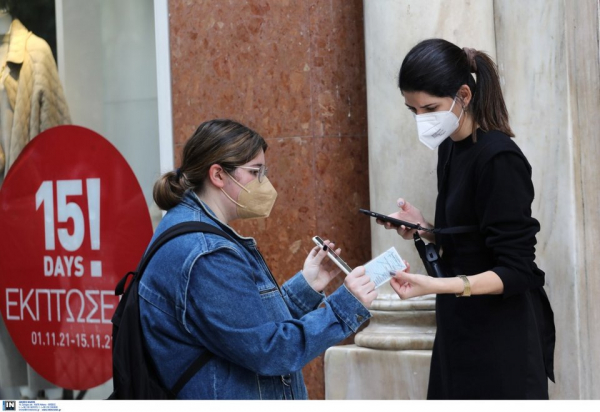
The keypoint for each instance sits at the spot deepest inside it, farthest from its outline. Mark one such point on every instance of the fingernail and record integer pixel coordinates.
(392, 273)
(401, 203)
(324, 247)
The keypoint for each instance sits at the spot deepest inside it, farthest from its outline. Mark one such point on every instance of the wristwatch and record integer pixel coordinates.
(467, 290)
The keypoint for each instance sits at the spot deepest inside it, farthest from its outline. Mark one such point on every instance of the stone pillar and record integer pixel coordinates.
(391, 357)
(399, 325)
(548, 57)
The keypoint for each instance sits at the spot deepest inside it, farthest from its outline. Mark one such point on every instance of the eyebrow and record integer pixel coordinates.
(422, 107)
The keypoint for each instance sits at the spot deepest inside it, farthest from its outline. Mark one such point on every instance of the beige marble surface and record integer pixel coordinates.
(399, 325)
(583, 40)
(550, 75)
(376, 374)
(535, 81)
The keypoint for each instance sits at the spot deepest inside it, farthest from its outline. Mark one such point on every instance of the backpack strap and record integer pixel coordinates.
(173, 232)
(189, 373)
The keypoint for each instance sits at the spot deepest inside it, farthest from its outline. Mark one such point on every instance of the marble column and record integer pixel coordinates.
(391, 357)
(549, 64)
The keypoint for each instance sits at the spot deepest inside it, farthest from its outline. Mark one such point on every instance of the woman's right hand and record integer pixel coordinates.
(408, 213)
(408, 285)
(361, 286)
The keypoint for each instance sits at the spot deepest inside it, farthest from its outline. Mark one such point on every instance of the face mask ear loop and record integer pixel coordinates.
(462, 109)
(453, 103)
(229, 197)
(236, 182)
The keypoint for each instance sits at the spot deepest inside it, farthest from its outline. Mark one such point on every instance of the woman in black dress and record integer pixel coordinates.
(495, 328)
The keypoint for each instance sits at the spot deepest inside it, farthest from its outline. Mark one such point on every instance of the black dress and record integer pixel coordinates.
(490, 346)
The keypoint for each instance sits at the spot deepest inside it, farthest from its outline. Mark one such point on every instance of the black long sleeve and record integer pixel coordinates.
(503, 203)
(490, 346)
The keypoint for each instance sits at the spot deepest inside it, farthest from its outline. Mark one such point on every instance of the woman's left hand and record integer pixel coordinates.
(318, 272)
(408, 285)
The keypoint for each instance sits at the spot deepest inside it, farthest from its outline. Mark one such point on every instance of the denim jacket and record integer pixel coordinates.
(204, 292)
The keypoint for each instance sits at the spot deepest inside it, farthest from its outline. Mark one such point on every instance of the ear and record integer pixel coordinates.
(216, 175)
(465, 95)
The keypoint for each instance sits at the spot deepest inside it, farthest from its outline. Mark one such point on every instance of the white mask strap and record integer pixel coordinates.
(453, 103)
(462, 109)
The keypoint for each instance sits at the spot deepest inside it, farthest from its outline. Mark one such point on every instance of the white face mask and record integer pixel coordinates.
(435, 127)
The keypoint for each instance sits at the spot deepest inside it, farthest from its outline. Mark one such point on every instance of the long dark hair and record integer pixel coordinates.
(440, 68)
(221, 141)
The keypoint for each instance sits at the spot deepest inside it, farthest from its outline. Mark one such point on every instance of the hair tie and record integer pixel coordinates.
(471, 53)
(178, 172)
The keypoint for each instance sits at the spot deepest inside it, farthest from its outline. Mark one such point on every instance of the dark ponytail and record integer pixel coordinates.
(221, 141)
(440, 68)
(169, 189)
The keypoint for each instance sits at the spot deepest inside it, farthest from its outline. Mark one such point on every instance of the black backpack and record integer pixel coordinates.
(134, 374)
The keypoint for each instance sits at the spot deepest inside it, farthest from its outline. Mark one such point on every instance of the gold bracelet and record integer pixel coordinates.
(467, 290)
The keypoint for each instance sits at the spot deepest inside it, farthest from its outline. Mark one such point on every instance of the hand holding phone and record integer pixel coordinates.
(394, 222)
(333, 256)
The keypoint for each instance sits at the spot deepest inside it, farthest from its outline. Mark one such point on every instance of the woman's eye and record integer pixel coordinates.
(255, 172)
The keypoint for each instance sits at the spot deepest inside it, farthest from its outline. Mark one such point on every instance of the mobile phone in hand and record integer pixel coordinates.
(394, 222)
(333, 256)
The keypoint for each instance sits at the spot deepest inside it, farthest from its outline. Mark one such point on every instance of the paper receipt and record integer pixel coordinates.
(380, 267)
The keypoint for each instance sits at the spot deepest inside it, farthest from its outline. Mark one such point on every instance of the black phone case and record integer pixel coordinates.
(395, 222)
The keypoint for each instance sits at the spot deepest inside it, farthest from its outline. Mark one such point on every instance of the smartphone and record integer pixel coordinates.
(395, 222)
(333, 256)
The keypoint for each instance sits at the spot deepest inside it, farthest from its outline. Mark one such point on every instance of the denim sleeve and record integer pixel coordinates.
(225, 313)
(300, 297)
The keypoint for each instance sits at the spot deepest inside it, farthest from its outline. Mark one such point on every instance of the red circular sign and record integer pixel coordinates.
(73, 221)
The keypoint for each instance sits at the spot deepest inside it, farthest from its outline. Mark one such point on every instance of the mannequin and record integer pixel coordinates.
(31, 96)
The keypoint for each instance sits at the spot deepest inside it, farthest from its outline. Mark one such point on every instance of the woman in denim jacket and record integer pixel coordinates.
(203, 292)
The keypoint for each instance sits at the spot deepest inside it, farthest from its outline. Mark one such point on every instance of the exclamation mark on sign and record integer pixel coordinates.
(93, 197)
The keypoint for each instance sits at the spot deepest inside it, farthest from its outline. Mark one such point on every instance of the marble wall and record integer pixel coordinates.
(294, 71)
(552, 89)
(548, 57)
(583, 48)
